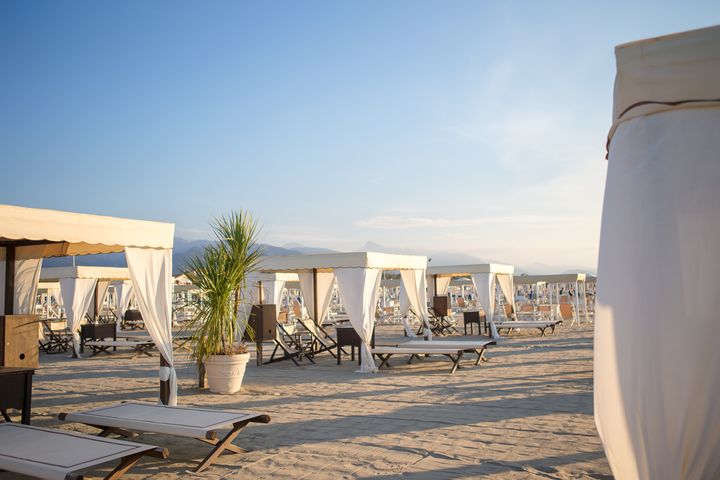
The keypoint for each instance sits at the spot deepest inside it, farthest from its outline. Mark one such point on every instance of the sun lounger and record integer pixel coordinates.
(385, 352)
(199, 423)
(141, 347)
(541, 325)
(55, 454)
(475, 346)
(291, 345)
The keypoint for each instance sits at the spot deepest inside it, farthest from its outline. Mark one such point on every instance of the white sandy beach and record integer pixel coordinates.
(525, 414)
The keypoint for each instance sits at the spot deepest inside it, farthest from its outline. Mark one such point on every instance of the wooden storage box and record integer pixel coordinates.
(19, 341)
(263, 321)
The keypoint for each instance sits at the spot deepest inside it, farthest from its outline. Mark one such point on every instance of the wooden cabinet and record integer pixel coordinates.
(19, 341)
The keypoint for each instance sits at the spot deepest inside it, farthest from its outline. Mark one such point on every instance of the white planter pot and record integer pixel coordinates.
(225, 372)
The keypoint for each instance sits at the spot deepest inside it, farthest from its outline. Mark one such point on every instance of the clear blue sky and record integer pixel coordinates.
(476, 127)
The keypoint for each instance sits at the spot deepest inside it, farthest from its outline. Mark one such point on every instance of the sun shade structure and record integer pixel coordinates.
(658, 415)
(27, 235)
(553, 282)
(358, 277)
(78, 286)
(484, 277)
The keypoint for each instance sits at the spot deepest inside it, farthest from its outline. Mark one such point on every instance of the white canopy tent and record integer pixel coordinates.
(658, 414)
(553, 282)
(80, 285)
(484, 277)
(358, 277)
(27, 235)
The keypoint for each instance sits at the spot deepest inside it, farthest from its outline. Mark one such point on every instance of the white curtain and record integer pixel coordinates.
(151, 274)
(359, 292)
(657, 363)
(413, 296)
(102, 288)
(404, 310)
(443, 283)
(123, 293)
(28, 262)
(77, 295)
(485, 287)
(325, 285)
(506, 286)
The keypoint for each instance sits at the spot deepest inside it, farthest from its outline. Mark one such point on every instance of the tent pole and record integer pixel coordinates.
(315, 297)
(165, 384)
(9, 280)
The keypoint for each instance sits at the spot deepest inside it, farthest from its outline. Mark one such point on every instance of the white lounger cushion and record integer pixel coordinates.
(415, 351)
(527, 324)
(147, 417)
(53, 453)
(453, 344)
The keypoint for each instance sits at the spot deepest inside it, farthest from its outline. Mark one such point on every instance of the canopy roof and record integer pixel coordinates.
(326, 262)
(271, 277)
(463, 270)
(53, 274)
(68, 233)
(672, 71)
(555, 278)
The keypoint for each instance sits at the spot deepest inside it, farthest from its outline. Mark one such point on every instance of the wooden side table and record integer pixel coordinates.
(16, 388)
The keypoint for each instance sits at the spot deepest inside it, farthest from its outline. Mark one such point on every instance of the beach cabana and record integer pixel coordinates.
(358, 277)
(484, 277)
(658, 413)
(27, 235)
(79, 286)
(553, 283)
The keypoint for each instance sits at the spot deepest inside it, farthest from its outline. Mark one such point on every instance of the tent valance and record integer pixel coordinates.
(327, 262)
(54, 274)
(66, 233)
(465, 270)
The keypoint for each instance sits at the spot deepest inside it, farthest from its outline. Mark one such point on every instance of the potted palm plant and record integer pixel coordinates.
(220, 273)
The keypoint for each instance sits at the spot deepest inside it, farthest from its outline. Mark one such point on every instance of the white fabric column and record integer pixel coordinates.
(404, 310)
(102, 288)
(325, 285)
(77, 294)
(443, 283)
(359, 291)
(506, 286)
(412, 282)
(123, 293)
(656, 407)
(485, 287)
(28, 262)
(151, 274)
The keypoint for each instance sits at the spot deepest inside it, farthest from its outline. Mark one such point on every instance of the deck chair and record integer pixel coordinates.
(202, 424)
(58, 337)
(478, 347)
(441, 323)
(509, 312)
(54, 454)
(567, 312)
(385, 352)
(321, 341)
(292, 347)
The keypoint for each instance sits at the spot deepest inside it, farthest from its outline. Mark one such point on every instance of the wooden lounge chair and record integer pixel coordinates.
(541, 325)
(140, 347)
(202, 424)
(469, 346)
(385, 352)
(54, 454)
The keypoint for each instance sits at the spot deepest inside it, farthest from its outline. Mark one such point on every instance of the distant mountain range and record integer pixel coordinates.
(185, 249)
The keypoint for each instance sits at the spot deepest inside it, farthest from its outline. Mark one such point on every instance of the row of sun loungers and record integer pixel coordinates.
(55, 454)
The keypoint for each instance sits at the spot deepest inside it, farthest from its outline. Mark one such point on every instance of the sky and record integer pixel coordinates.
(475, 127)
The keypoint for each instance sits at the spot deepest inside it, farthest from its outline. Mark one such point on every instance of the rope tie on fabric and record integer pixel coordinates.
(654, 102)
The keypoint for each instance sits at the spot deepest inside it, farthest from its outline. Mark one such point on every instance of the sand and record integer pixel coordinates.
(525, 414)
